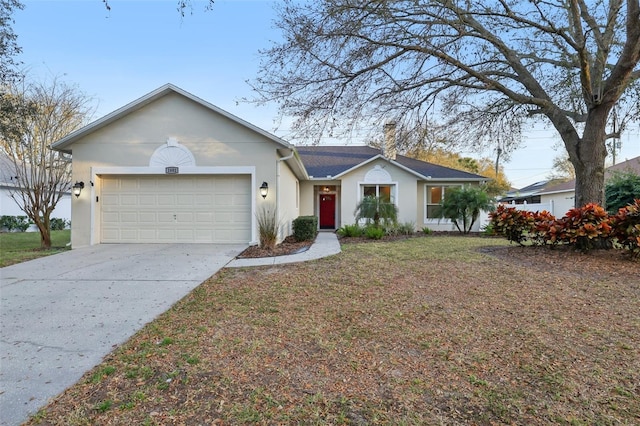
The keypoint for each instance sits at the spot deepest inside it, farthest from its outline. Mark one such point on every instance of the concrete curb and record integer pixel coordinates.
(326, 244)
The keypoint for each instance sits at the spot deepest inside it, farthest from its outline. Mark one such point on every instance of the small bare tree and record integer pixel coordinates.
(35, 115)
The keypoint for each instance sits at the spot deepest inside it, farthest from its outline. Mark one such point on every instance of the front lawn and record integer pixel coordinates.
(16, 247)
(434, 330)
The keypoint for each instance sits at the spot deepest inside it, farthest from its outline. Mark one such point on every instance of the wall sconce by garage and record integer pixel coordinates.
(264, 189)
(77, 188)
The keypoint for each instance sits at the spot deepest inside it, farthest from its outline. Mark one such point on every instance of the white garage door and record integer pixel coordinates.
(175, 209)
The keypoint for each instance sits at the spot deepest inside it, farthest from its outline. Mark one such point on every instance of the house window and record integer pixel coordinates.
(434, 195)
(386, 192)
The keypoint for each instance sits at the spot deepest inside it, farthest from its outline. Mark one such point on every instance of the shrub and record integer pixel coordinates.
(515, 225)
(406, 228)
(374, 232)
(621, 190)
(19, 223)
(587, 227)
(376, 209)
(426, 230)
(58, 224)
(305, 228)
(268, 225)
(463, 206)
(546, 229)
(354, 230)
(626, 227)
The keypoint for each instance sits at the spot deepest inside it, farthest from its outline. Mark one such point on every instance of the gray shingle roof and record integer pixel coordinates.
(329, 161)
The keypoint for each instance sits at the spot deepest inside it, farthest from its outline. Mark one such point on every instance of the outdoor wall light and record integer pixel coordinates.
(77, 188)
(264, 189)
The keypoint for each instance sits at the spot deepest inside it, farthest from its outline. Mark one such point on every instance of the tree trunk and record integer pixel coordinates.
(588, 157)
(45, 232)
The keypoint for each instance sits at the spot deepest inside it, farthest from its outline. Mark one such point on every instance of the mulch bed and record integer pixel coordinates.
(289, 246)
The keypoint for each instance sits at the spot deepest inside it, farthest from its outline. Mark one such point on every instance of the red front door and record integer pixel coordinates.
(327, 211)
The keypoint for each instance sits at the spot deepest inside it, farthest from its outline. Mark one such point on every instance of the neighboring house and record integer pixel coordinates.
(559, 198)
(530, 198)
(171, 167)
(562, 195)
(9, 183)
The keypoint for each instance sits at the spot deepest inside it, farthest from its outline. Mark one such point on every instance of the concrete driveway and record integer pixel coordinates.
(61, 314)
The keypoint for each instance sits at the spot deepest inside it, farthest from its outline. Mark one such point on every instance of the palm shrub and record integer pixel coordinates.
(463, 206)
(375, 209)
(268, 226)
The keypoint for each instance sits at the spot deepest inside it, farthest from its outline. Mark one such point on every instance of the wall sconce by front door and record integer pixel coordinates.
(77, 188)
(264, 189)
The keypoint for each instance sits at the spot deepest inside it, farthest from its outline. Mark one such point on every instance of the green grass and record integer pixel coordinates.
(16, 247)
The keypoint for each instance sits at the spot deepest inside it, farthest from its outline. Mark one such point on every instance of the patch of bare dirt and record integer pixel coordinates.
(568, 260)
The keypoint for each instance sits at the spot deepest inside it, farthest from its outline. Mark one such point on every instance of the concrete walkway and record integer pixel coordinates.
(325, 244)
(61, 314)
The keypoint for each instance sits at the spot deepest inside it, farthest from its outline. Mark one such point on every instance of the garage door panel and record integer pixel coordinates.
(166, 200)
(164, 209)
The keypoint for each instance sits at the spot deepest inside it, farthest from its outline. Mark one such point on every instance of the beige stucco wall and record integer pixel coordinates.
(214, 140)
(307, 204)
(289, 202)
(406, 188)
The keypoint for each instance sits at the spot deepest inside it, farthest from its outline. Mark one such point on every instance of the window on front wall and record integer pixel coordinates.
(434, 195)
(386, 192)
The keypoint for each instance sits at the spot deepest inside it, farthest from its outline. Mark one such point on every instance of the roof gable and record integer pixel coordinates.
(335, 161)
(65, 143)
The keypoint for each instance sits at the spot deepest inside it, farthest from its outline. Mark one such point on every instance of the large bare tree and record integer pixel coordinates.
(35, 115)
(483, 68)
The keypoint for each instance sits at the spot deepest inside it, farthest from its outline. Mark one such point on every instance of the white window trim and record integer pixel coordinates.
(432, 220)
(396, 186)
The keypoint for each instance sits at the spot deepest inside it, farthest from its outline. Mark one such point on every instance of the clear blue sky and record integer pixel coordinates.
(119, 55)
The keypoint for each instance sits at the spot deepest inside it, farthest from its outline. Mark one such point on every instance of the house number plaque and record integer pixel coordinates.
(171, 170)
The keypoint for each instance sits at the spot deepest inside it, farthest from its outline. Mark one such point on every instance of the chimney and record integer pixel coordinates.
(389, 147)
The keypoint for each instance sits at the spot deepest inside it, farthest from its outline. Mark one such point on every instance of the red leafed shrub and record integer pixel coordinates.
(626, 227)
(514, 224)
(587, 227)
(546, 229)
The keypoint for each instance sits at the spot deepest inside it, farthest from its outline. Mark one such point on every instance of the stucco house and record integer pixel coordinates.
(171, 167)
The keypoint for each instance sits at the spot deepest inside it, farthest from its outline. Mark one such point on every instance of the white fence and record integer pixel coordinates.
(533, 207)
